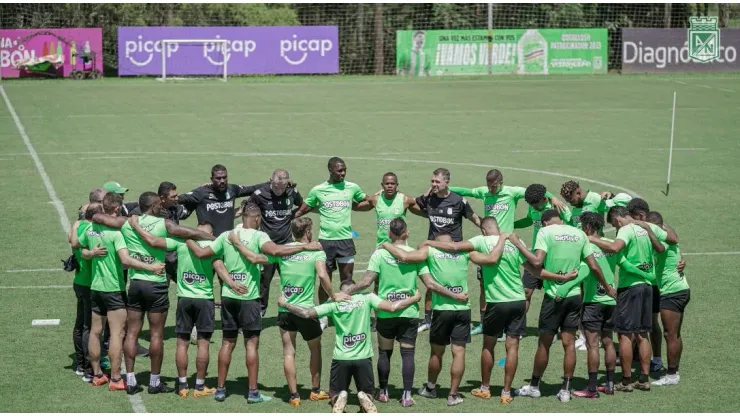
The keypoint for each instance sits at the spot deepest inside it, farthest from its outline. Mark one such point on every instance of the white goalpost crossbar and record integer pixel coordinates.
(164, 43)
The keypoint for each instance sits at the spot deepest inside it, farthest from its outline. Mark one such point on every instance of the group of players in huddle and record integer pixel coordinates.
(570, 260)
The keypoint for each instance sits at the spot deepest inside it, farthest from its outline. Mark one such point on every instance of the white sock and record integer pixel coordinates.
(182, 380)
(154, 380)
(199, 382)
(131, 379)
(430, 385)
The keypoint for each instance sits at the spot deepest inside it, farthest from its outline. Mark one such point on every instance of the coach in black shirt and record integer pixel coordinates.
(214, 203)
(278, 201)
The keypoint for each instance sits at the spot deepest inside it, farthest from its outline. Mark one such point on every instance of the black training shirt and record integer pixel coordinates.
(277, 211)
(445, 214)
(216, 208)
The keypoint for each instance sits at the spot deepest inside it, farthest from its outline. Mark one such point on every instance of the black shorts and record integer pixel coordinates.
(531, 282)
(146, 296)
(505, 317)
(310, 329)
(104, 302)
(200, 313)
(336, 249)
(634, 307)
(342, 372)
(675, 302)
(239, 314)
(656, 299)
(564, 315)
(598, 317)
(400, 329)
(450, 327)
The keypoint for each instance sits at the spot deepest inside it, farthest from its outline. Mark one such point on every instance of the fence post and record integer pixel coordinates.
(667, 15)
(378, 39)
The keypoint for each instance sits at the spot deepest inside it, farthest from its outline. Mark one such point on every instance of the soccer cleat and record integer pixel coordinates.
(476, 330)
(606, 388)
(366, 402)
(424, 391)
(424, 326)
(667, 380)
(502, 338)
(257, 398)
(295, 401)
(117, 385)
(161, 388)
(80, 371)
(220, 394)
(656, 365)
(321, 395)
(643, 386)
(100, 380)
(586, 394)
(131, 390)
(340, 403)
(407, 402)
(204, 391)
(481, 394)
(581, 343)
(183, 390)
(87, 378)
(528, 391)
(382, 396)
(506, 399)
(454, 400)
(625, 388)
(564, 396)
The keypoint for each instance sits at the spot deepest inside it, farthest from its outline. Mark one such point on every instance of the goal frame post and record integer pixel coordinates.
(164, 42)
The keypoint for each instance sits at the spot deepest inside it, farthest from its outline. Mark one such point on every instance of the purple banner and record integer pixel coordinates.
(248, 50)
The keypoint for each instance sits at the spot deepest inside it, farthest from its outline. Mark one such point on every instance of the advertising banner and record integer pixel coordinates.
(667, 50)
(515, 51)
(248, 50)
(56, 52)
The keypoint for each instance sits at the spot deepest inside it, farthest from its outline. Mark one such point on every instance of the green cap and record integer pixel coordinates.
(115, 187)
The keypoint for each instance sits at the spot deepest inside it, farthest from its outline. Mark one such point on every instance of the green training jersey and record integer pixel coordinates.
(143, 252)
(353, 340)
(592, 203)
(240, 270)
(107, 271)
(387, 210)
(593, 291)
(298, 276)
(670, 280)
(536, 217)
(500, 206)
(396, 281)
(639, 251)
(565, 246)
(451, 271)
(83, 276)
(194, 275)
(502, 282)
(334, 202)
(619, 200)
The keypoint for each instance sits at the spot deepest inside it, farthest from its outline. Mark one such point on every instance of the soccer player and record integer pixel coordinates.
(96, 195)
(278, 202)
(81, 287)
(195, 305)
(397, 280)
(445, 210)
(450, 317)
(674, 296)
(114, 187)
(107, 290)
(584, 200)
(639, 240)
(559, 249)
(499, 201)
(298, 274)
(536, 196)
(353, 349)
(241, 309)
(214, 203)
(598, 313)
(333, 199)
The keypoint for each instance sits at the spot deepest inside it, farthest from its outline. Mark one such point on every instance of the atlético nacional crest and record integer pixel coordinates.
(703, 39)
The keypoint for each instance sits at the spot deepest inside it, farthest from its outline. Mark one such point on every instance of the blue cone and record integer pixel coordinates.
(501, 362)
(355, 234)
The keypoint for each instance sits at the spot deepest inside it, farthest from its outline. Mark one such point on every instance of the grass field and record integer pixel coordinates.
(611, 132)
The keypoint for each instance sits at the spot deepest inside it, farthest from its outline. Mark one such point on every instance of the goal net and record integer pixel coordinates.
(184, 59)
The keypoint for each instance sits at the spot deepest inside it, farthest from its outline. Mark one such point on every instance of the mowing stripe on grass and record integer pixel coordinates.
(39, 166)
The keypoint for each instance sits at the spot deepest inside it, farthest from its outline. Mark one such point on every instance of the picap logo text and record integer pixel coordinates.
(295, 51)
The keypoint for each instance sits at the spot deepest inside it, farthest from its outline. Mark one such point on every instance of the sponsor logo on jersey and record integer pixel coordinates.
(190, 278)
(239, 277)
(220, 207)
(143, 258)
(442, 255)
(455, 289)
(498, 207)
(348, 306)
(567, 237)
(641, 232)
(384, 222)
(279, 214)
(393, 260)
(290, 290)
(449, 211)
(441, 221)
(336, 205)
(508, 248)
(351, 340)
(558, 282)
(600, 290)
(645, 267)
(394, 296)
(92, 233)
(537, 223)
(599, 254)
(297, 257)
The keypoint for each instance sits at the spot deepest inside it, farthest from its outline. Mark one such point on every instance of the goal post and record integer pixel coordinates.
(220, 45)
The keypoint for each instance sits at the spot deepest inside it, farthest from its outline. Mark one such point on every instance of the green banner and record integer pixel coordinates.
(514, 51)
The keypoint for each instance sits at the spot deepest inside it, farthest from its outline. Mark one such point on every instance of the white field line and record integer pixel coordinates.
(547, 151)
(725, 89)
(39, 166)
(686, 149)
(409, 153)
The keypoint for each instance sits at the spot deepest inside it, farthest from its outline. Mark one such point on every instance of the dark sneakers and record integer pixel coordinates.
(161, 388)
